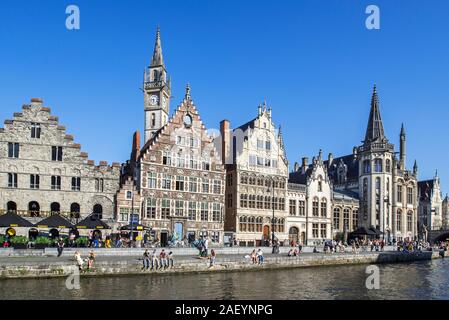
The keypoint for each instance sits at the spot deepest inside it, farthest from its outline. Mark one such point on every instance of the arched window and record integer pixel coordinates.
(75, 210)
(55, 208)
(11, 207)
(315, 207)
(251, 224)
(98, 211)
(242, 226)
(281, 225)
(323, 207)
(366, 166)
(399, 220)
(377, 165)
(34, 209)
(259, 221)
(388, 165)
(337, 218)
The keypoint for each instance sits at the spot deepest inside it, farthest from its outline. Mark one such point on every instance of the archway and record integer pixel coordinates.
(293, 235)
(33, 234)
(11, 207)
(55, 208)
(98, 211)
(266, 233)
(53, 233)
(34, 209)
(75, 211)
(442, 237)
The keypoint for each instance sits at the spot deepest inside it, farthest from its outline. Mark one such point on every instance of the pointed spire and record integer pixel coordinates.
(415, 167)
(375, 128)
(158, 59)
(402, 130)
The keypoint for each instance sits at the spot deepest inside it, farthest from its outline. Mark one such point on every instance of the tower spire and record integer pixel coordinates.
(375, 128)
(158, 59)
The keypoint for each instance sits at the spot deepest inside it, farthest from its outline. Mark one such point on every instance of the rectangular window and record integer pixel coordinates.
(56, 153)
(206, 165)
(217, 186)
(204, 215)
(410, 195)
(13, 150)
(151, 208)
(166, 158)
(399, 193)
(315, 230)
(55, 183)
(315, 208)
(193, 184)
(260, 161)
(293, 207)
(76, 184)
(34, 181)
(124, 214)
(152, 180)
(323, 231)
(216, 212)
(192, 210)
(205, 187)
(179, 183)
(215, 236)
(252, 160)
(165, 209)
(229, 179)
(244, 201)
(268, 145)
(166, 181)
(12, 180)
(179, 208)
(260, 144)
(302, 208)
(35, 130)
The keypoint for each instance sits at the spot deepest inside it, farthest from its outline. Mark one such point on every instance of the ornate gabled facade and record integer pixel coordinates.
(181, 179)
(318, 200)
(386, 190)
(430, 206)
(257, 174)
(44, 172)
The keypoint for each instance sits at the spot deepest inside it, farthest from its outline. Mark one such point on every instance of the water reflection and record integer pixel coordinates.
(420, 280)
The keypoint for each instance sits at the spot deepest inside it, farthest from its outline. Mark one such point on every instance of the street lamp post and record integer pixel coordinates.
(272, 219)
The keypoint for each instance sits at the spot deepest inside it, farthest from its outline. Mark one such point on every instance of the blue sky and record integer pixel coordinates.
(313, 61)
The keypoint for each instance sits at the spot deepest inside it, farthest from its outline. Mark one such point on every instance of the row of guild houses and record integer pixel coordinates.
(185, 183)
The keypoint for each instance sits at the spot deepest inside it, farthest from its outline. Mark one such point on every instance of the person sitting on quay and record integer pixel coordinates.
(213, 257)
(163, 259)
(290, 253)
(79, 260)
(260, 258)
(171, 260)
(90, 260)
(154, 261)
(146, 260)
(254, 257)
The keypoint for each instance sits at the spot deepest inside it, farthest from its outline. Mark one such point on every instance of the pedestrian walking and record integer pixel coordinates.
(60, 247)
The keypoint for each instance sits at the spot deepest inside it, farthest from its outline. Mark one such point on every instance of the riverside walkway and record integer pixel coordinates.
(125, 264)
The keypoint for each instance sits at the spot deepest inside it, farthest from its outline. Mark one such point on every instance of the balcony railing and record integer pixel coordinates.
(376, 146)
(156, 84)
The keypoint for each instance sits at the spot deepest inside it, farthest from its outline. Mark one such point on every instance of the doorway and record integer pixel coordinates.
(293, 235)
(266, 233)
(164, 238)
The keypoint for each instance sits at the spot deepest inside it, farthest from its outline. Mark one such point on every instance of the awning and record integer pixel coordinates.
(362, 231)
(12, 220)
(55, 221)
(138, 227)
(377, 232)
(92, 223)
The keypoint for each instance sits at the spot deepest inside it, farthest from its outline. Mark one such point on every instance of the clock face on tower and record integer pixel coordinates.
(154, 100)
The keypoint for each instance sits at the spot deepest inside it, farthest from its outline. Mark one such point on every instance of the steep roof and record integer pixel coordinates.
(375, 128)
(157, 59)
(352, 166)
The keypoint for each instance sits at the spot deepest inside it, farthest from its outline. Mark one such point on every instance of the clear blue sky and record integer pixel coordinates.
(314, 62)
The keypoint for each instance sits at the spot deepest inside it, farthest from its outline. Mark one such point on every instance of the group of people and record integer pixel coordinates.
(154, 261)
(80, 261)
(257, 257)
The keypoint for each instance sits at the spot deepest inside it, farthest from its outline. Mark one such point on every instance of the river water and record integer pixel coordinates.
(418, 280)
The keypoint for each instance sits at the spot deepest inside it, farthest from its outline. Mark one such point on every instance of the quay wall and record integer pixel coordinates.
(223, 264)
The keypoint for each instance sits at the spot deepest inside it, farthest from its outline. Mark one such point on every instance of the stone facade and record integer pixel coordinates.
(256, 175)
(431, 210)
(43, 171)
(181, 179)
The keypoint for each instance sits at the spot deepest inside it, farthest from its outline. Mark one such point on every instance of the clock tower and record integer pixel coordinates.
(156, 92)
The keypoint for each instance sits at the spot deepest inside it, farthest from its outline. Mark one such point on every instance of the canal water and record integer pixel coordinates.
(418, 280)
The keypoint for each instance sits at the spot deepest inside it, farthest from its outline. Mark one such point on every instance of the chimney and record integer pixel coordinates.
(296, 167)
(304, 164)
(136, 146)
(225, 132)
